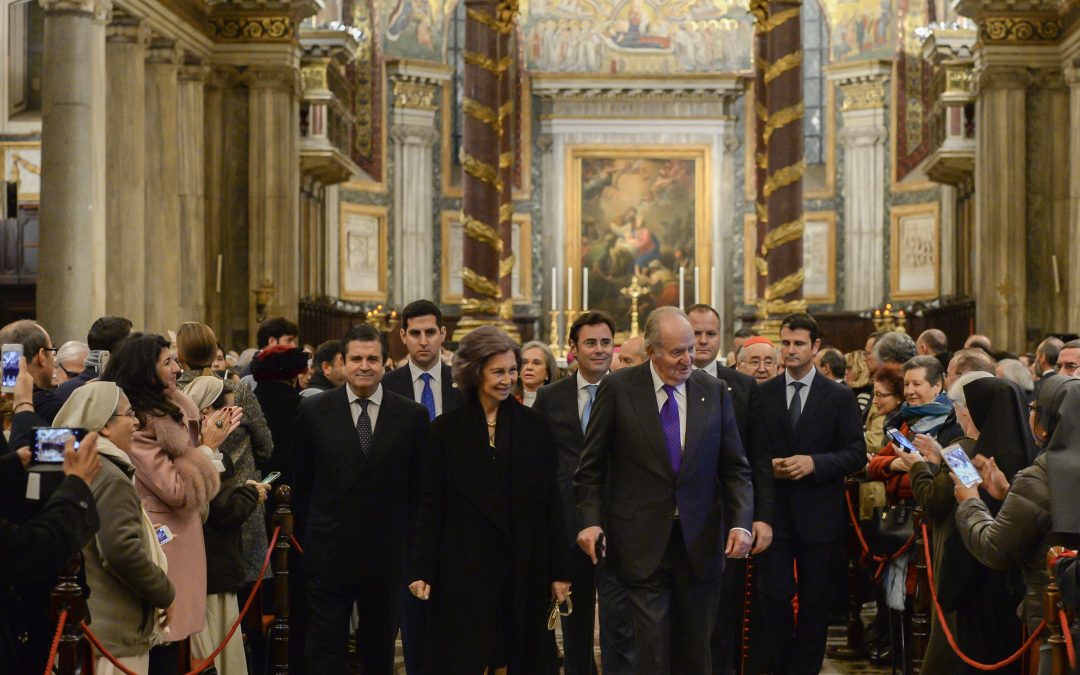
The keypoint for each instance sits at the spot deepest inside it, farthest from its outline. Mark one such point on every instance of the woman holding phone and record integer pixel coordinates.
(175, 473)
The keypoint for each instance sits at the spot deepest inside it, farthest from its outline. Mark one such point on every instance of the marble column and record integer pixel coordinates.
(71, 287)
(949, 223)
(1072, 270)
(226, 205)
(274, 187)
(412, 130)
(1000, 194)
(192, 197)
(864, 135)
(162, 290)
(1047, 219)
(125, 175)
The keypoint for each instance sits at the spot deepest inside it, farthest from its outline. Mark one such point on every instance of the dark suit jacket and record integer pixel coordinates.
(559, 404)
(280, 403)
(626, 457)
(356, 512)
(829, 430)
(489, 541)
(399, 381)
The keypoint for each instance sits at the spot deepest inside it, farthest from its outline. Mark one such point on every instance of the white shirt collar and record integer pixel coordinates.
(712, 368)
(375, 398)
(435, 372)
(806, 380)
(582, 382)
(658, 383)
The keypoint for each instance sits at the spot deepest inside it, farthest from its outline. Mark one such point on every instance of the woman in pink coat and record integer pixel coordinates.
(176, 473)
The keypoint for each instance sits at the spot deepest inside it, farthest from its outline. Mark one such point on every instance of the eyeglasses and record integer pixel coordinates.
(50, 350)
(757, 363)
(1067, 366)
(129, 413)
(555, 612)
(881, 394)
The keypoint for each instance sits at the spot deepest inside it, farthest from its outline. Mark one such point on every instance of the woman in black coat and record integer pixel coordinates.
(490, 536)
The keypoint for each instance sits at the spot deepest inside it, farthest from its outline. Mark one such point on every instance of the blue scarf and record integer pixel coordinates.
(927, 418)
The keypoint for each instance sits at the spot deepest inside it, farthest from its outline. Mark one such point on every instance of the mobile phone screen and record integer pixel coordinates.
(164, 535)
(271, 477)
(48, 447)
(10, 366)
(960, 464)
(902, 441)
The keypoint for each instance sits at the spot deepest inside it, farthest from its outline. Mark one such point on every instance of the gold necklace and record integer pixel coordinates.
(491, 424)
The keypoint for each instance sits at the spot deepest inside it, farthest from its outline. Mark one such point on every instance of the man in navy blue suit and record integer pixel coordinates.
(808, 427)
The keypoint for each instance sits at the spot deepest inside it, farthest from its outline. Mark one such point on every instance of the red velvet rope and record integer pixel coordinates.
(296, 544)
(1068, 639)
(948, 634)
(880, 559)
(56, 641)
(210, 659)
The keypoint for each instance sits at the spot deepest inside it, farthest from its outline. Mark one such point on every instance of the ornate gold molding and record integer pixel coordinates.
(783, 177)
(475, 306)
(788, 232)
(314, 77)
(1019, 29)
(252, 28)
(491, 65)
(782, 65)
(788, 284)
(414, 95)
(480, 283)
(783, 117)
(865, 95)
(474, 229)
(779, 19)
(481, 171)
(479, 111)
(959, 80)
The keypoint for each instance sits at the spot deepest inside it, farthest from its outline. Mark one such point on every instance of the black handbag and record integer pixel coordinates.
(891, 526)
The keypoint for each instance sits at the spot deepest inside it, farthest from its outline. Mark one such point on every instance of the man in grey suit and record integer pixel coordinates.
(662, 467)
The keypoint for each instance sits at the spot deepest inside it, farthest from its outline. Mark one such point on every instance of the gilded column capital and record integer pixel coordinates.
(194, 70)
(1004, 77)
(413, 93)
(164, 51)
(411, 134)
(1072, 76)
(273, 77)
(125, 29)
(100, 10)
(866, 94)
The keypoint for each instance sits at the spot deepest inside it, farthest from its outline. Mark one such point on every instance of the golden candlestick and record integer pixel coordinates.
(556, 344)
(888, 321)
(634, 291)
(571, 316)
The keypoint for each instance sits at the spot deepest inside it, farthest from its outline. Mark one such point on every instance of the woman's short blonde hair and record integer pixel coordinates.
(473, 352)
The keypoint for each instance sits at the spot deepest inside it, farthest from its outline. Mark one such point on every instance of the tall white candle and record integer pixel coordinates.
(682, 287)
(569, 288)
(585, 289)
(712, 284)
(554, 290)
(697, 284)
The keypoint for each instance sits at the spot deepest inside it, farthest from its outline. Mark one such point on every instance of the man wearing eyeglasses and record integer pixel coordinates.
(40, 363)
(1068, 361)
(758, 358)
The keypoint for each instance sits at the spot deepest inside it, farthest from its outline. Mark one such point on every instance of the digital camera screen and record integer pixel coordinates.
(10, 368)
(49, 444)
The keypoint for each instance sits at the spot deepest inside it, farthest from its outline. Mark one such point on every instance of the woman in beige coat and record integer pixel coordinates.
(124, 562)
(176, 473)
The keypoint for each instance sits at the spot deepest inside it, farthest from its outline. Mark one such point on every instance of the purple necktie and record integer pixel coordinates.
(669, 420)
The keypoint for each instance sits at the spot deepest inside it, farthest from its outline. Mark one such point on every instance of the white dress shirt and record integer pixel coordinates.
(712, 369)
(436, 383)
(680, 400)
(789, 390)
(528, 397)
(372, 409)
(583, 394)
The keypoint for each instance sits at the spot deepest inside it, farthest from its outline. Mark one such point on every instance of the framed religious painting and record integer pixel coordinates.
(362, 252)
(819, 258)
(914, 252)
(639, 211)
(452, 258)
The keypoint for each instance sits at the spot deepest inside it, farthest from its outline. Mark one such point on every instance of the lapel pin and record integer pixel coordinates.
(702, 399)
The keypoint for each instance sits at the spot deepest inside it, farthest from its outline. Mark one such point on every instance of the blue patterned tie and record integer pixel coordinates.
(363, 427)
(427, 397)
(588, 406)
(795, 407)
(669, 420)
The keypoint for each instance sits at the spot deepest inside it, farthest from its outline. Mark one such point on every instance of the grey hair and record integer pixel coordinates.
(894, 347)
(656, 317)
(741, 357)
(1014, 371)
(956, 392)
(72, 350)
(549, 358)
(929, 364)
(473, 352)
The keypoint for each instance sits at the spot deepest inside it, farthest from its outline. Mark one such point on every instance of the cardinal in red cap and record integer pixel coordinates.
(758, 358)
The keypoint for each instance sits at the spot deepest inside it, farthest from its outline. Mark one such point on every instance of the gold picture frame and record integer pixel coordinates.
(362, 261)
(450, 228)
(17, 160)
(915, 251)
(819, 288)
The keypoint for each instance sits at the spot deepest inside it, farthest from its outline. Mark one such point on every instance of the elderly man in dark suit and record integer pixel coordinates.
(665, 472)
(809, 428)
(428, 381)
(357, 451)
(567, 404)
(726, 642)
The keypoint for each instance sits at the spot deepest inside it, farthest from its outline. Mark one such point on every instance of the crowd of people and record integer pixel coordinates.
(472, 500)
